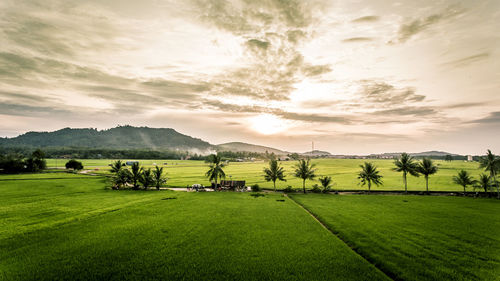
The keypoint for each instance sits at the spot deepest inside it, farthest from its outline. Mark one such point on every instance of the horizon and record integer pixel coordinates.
(356, 78)
(264, 145)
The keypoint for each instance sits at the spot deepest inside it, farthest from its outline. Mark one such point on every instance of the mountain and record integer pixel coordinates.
(246, 147)
(418, 154)
(121, 137)
(434, 153)
(316, 153)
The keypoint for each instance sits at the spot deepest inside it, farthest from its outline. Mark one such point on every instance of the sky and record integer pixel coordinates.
(355, 77)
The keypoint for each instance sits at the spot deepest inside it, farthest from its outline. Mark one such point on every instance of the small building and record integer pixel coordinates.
(130, 163)
(469, 158)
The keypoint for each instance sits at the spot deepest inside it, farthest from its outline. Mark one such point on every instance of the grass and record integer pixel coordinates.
(417, 237)
(344, 172)
(74, 229)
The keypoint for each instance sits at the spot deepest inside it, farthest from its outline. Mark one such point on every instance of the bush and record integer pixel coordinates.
(256, 188)
(257, 195)
(288, 189)
(73, 164)
(316, 188)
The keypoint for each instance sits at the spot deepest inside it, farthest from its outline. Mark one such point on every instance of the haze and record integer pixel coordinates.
(355, 77)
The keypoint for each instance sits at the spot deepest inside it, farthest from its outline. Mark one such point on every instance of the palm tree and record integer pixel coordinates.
(274, 172)
(484, 182)
(136, 173)
(326, 183)
(121, 178)
(305, 170)
(369, 175)
(406, 165)
(158, 177)
(464, 179)
(215, 170)
(146, 178)
(426, 168)
(116, 166)
(491, 164)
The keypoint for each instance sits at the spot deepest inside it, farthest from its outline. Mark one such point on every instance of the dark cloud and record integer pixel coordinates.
(408, 30)
(315, 118)
(466, 105)
(492, 118)
(21, 97)
(29, 110)
(384, 93)
(407, 110)
(221, 106)
(367, 19)
(468, 60)
(357, 39)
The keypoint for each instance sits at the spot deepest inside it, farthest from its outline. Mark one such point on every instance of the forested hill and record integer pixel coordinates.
(121, 137)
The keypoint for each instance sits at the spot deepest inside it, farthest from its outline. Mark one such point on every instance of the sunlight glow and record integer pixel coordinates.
(268, 124)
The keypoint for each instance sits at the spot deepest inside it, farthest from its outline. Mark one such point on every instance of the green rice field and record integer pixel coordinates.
(344, 172)
(73, 228)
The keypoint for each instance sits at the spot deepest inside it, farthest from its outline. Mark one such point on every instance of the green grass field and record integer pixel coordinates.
(73, 229)
(343, 171)
(417, 237)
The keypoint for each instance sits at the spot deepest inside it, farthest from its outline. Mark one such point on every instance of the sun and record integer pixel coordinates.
(268, 124)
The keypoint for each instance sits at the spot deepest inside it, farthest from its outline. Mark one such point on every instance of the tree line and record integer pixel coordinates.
(14, 163)
(305, 170)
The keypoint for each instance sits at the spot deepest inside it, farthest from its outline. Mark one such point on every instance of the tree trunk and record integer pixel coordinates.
(369, 186)
(427, 183)
(464, 190)
(304, 186)
(496, 185)
(404, 179)
(274, 183)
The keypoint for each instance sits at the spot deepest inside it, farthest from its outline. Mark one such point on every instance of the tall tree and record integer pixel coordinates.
(158, 177)
(274, 172)
(326, 183)
(484, 182)
(426, 168)
(146, 178)
(121, 178)
(215, 170)
(464, 179)
(369, 174)
(116, 166)
(304, 170)
(135, 175)
(407, 165)
(491, 163)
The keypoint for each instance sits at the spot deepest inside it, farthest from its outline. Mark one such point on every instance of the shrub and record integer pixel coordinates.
(256, 188)
(288, 189)
(73, 164)
(316, 188)
(257, 195)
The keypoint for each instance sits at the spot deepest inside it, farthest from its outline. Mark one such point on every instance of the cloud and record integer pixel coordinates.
(492, 118)
(28, 110)
(357, 39)
(384, 93)
(468, 60)
(366, 19)
(272, 32)
(409, 30)
(314, 117)
(407, 110)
